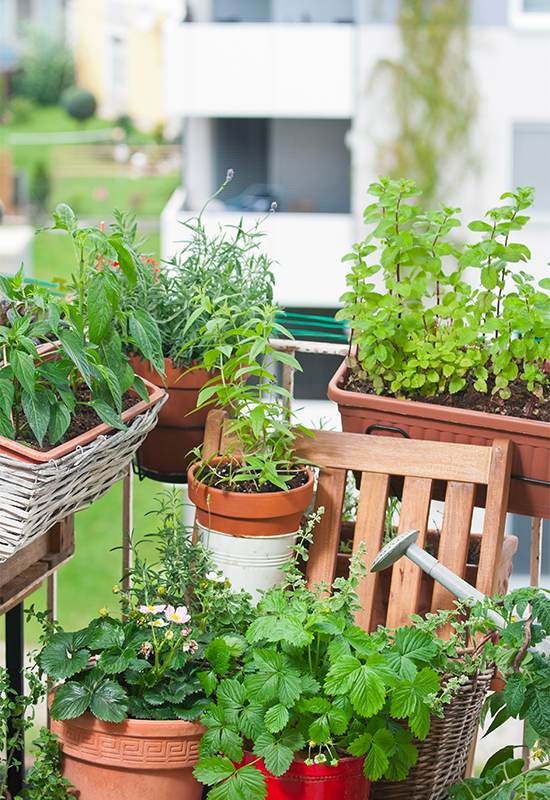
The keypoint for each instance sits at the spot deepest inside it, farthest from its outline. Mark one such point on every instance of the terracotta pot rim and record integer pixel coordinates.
(130, 727)
(406, 408)
(247, 497)
(22, 452)
(173, 375)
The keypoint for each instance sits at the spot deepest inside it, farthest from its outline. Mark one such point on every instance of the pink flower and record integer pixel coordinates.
(152, 609)
(146, 649)
(190, 646)
(178, 615)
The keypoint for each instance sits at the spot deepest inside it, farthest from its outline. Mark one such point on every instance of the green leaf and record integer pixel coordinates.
(60, 658)
(514, 693)
(108, 415)
(277, 756)
(24, 369)
(377, 761)
(70, 701)
(7, 395)
(251, 782)
(319, 730)
(213, 769)
(109, 702)
(65, 219)
(60, 419)
(141, 388)
(145, 333)
(251, 720)
(126, 259)
(73, 346)
(37, 411)
(100, 312)
(208, 680)
(276, 718)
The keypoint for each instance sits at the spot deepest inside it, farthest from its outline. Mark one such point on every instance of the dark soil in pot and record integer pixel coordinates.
(221, 479)
(521, 403)
(83, 421)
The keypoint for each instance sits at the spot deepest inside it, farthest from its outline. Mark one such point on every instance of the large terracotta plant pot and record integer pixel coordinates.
(530, 485)
(345, 781)
(249, 535)
(164, 455)
(130, 760)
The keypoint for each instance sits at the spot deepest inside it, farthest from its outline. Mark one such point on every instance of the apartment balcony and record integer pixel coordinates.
(307, 248)
(259, 70)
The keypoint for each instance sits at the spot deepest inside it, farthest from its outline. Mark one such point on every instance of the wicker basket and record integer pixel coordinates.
(33, 497)
(443, 754)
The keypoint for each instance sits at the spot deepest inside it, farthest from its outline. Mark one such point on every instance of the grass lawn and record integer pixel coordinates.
(53, 255)
(46, 119)
(146, 195)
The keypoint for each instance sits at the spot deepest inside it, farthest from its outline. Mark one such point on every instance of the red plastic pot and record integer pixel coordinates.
(345, 781)
(262, 514)
(530, 485)
(164, 455)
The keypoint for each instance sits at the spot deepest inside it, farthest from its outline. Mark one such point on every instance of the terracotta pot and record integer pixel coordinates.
(509, 547)
(497, 683)
(31, 456)
(262, 514)
(153, 759)
(345, 781)
(530, 485)
(164, 455)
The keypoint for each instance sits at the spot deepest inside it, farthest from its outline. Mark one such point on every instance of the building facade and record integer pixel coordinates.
(282, 92)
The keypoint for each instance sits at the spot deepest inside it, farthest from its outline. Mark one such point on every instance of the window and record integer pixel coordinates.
(531, 160)
(530, 13)
(118, 64)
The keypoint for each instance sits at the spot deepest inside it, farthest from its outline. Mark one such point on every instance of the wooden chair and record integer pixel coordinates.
(422, 465)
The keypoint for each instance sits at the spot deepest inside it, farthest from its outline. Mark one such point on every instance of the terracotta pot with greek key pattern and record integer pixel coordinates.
(153, 759)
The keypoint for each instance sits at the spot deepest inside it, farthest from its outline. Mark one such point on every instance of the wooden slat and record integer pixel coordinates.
(406, 576)
(454, 540)
(369, 528)
(323, 550)
(495, 516)
(212, 433)
(420, 459)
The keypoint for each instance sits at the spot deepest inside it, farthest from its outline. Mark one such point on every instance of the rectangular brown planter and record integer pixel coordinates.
(530, 485)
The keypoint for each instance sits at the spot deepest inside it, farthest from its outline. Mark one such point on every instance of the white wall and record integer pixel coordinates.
(255, 70)
(308, 249)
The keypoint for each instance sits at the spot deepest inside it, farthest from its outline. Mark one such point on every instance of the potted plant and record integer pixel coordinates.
(133, 683)
(250, 498)
(314, 698)
(182, 296)
(73, 392)
(471, 359)
(526, 674)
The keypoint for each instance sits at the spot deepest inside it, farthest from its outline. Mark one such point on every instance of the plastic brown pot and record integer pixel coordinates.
(530, 485)
(240, 514)
(345, 781)
(128, 760)
(31, 456)
(164, 455)
(509, 547)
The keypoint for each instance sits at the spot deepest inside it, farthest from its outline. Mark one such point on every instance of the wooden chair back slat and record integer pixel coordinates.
(323, 550)
(369, 528)
(406, 576)
(495, 517)
(455, 537)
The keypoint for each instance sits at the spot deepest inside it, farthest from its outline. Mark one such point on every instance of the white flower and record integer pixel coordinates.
(160, 623)
(214, 576)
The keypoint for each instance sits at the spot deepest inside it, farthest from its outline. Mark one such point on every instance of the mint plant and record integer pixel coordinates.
(505, 778)
(311, 682)
(41, 395)
(429, 331)
(239, 350)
